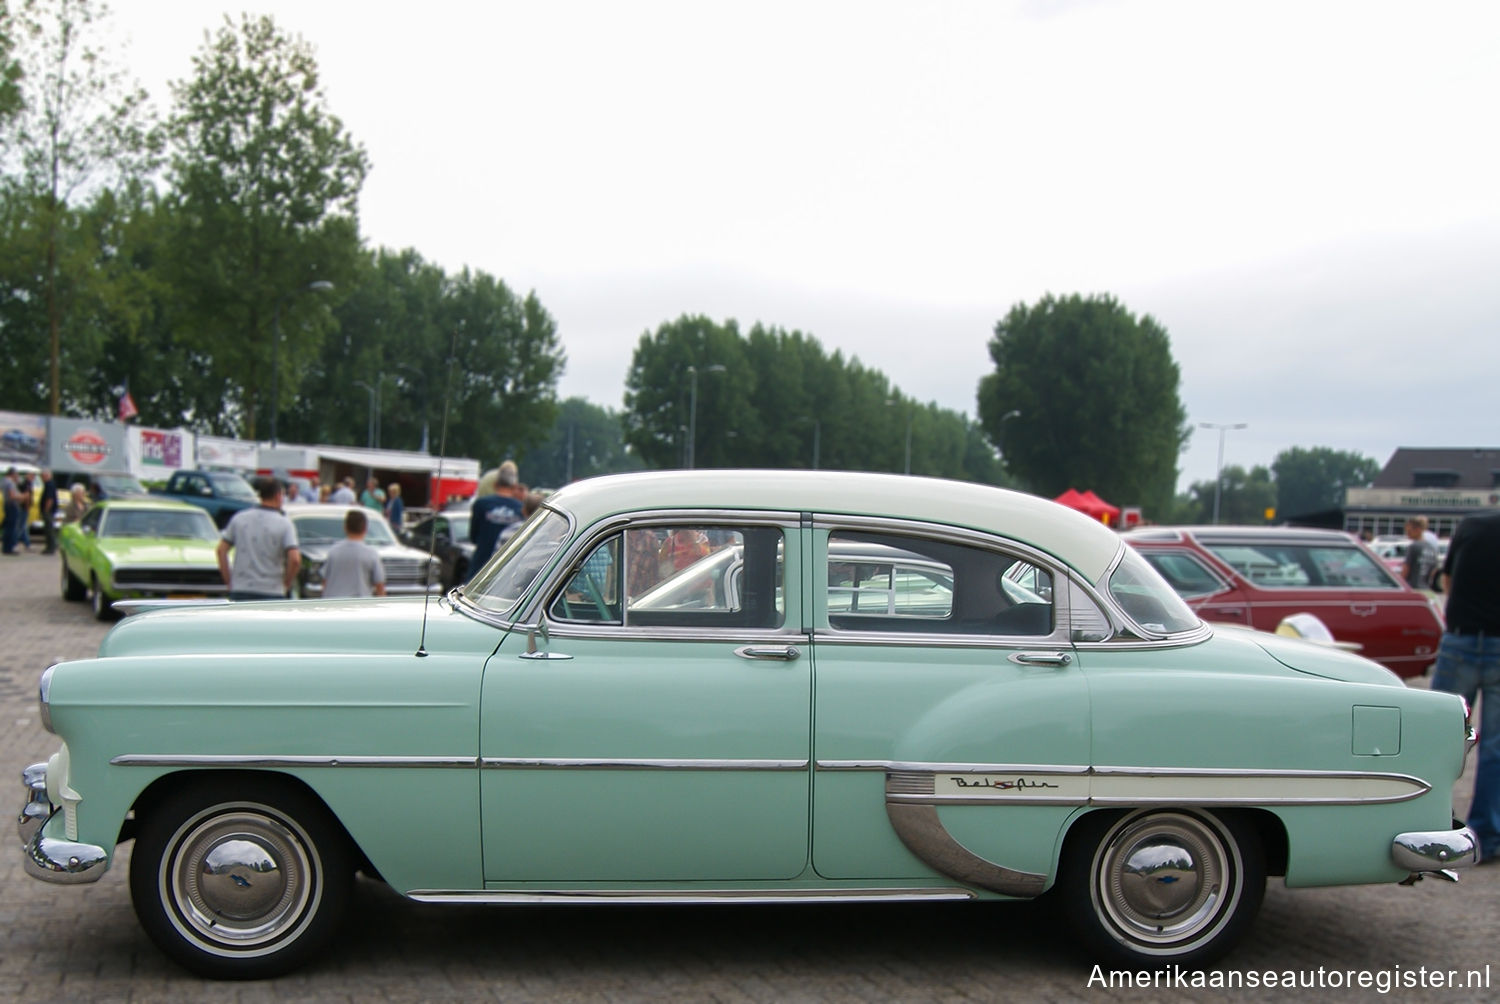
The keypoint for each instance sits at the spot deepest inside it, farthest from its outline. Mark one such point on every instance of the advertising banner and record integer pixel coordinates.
(23, 438)
(85, 447)
(218, 452)
(156, 452)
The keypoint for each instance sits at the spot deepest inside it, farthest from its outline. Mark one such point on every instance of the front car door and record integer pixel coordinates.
(660, 730)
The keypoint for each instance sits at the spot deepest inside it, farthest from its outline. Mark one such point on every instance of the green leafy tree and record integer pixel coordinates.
(586, 441)
(11, 100)
(83, 124)
(659, 398)
(776, 399)
(1314, 480)
(507, 364)
(265, 181)
(1096, 389)
(399, 324)
(1244, 498)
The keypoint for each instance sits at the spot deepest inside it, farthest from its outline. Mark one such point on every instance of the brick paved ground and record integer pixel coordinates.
(82, 943)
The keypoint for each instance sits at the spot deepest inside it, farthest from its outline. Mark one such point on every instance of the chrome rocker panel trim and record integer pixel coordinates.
(64, 862)
(633, 897)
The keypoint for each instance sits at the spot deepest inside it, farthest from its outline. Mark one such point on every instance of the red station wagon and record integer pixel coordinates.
(1256, 576)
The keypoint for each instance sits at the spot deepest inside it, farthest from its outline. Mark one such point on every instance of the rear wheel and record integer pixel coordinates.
(1162, 886)
(240, 881)
(73, 588)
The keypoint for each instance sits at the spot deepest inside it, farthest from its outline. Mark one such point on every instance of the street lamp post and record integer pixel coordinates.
(692, 438)
(371, 436)
(1219, 470)
(316, 286)
(422, 393)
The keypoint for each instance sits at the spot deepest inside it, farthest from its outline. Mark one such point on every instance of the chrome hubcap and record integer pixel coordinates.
(238, 880)
(1165, 879)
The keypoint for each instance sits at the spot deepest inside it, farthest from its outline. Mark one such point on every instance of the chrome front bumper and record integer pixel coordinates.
(65, 862)
(1436, 850)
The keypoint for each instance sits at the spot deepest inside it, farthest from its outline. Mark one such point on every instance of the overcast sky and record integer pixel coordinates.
(1305, 195)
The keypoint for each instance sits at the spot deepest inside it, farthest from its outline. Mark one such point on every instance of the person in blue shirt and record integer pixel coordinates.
(488, 517)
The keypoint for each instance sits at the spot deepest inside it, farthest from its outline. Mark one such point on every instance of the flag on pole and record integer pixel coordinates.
(128, 409)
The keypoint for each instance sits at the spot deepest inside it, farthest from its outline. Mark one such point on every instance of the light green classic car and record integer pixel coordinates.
(134, 548)
(741, 686)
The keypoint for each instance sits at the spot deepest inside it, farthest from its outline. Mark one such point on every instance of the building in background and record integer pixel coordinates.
(1445, 485)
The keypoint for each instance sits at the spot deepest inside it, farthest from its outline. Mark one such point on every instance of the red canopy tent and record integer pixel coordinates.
(1090, 505)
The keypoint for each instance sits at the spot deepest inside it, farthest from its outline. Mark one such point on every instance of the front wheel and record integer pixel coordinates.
(240, 880)
(73, 588)
(1153, 887)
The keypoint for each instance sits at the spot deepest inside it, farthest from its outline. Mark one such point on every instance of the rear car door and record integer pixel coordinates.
(948, 701)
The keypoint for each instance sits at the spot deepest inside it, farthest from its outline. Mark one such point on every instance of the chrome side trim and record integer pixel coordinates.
(921, 766)
(1436, 850)
(206, 760)
(450, 762)
(632, 897)
(1047, 784)
(600, 763)
(922, 832)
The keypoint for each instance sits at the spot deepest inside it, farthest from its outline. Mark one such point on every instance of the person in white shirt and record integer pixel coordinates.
(353, 567)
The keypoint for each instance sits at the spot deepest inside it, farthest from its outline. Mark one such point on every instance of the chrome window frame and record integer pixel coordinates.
(581, 545)
(1128, 633)
(517, 615)
(1060, 636)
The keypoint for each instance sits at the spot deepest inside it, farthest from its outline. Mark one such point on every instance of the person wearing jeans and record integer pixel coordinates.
(1468, 662)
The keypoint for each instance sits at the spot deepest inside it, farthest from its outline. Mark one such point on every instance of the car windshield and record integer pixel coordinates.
(317, 528)
(232, 486)
(159, 524)
(1305, 566)
(503, 581)
(1145, 596)
(119, 484)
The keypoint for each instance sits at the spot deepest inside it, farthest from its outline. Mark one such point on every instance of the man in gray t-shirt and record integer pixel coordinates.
(266, 558)
(353, 567)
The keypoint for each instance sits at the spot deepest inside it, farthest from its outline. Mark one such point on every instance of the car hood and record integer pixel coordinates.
(352, 626)
(139, 551)
(1321, 659)
(318, 550)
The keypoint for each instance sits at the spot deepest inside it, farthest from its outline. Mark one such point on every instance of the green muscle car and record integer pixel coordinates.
(134, 548)
(742, 686)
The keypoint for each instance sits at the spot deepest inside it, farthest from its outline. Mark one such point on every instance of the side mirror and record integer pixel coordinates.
(546, 649)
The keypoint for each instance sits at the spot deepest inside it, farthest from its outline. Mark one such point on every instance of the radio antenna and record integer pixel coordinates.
(442, 455)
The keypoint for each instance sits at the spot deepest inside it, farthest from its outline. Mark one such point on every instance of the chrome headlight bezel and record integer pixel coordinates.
(44, 698)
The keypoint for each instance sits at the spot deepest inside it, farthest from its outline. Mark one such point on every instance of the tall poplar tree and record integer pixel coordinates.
(84, 125)
(265, 181)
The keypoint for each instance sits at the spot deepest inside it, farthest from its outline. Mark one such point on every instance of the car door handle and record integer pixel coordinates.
(1362, 609)
(1043, 658)
(783, 653)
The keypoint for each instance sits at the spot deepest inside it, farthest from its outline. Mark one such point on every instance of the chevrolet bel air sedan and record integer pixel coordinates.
(747, 687)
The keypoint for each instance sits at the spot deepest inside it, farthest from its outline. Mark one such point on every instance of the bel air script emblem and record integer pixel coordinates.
(1000, 785)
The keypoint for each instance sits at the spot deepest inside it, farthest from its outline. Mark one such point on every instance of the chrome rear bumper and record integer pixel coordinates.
(65, 862)
(1436, 850)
